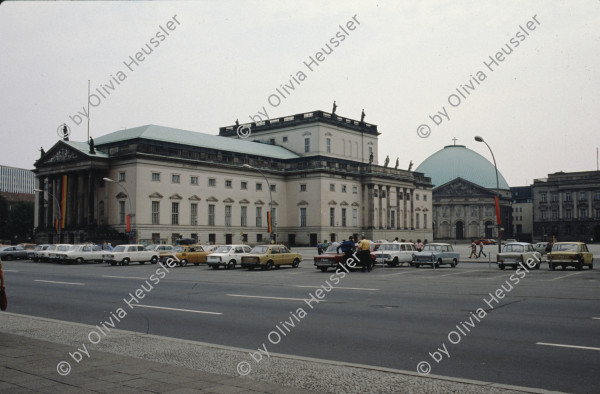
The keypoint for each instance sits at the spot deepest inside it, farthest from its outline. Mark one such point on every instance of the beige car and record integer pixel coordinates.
(185, 254)
(566, 254)
(515, 254)
(267, 257)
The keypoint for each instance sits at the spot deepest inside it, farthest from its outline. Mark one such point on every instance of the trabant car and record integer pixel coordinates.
(35, 254)
(185, 254)
(227, 256)
(436, 254)
(566, 254)
(518, 253)
(540, 247)
(270, 256)
(125, 254)
(393, 254)
(332, 259)
(79, 254)
(60, 248)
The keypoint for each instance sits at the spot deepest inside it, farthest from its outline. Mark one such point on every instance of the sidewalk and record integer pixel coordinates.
(25, 368)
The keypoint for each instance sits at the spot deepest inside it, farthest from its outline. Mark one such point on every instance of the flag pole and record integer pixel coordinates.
(88, 122)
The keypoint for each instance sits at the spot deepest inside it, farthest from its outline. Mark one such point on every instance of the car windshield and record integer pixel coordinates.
(432, 248)
(120, 248)
(222, 249)
(64, 248)
(332, 248)
(260, 249)
(75, 247)
(3, 248)
(150, 247)
(513, 248)
(178, 249)
(389, 247)
(565, 248)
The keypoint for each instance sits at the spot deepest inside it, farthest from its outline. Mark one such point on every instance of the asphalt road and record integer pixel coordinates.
(542, 334)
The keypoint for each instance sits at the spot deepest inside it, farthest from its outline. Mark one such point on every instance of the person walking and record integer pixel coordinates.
(319, 248)
(481, 252)
(473, 249)
(347, 247)
(365, 254)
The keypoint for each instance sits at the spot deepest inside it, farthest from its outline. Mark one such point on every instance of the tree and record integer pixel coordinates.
(20, 220)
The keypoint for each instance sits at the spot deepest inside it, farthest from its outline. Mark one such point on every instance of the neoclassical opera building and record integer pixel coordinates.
(319, 170)
(464, 187)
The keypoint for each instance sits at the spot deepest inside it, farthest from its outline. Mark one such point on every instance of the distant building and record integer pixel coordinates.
(522, 213)
(16, 184)
(183, 183)
(567, 205)
(464, 190)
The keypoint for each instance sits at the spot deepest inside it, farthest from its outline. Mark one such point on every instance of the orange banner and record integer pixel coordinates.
(63, 202)
(269, 220)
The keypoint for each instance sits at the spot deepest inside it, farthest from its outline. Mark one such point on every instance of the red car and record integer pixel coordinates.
(332, 259)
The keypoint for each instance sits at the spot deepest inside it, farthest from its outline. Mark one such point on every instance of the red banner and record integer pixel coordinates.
(63, 202)
(128, 223)
(497, 210)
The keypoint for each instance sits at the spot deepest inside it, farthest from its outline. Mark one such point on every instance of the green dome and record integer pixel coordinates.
(456, 161)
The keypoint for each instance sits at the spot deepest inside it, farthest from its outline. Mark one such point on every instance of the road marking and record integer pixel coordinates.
(10, 271)
(454, 273)
(568, 346)
(123, 277)
(175, 309)
(62, 283)
(401, 273)
(345, 288)
(268, 298)
(596, 318)
(566, 276)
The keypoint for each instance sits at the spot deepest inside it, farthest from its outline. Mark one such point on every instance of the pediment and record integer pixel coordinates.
(156, 195)
(244, 201)
(121, 195)
(332, 202)
(176, 197)
(194, 198)
(355, 204)
(60, 153)
(461, 187)
(303, 202)
(344, 203)
(274, 203)
(228, 200)
(212, 199)
(259, 202)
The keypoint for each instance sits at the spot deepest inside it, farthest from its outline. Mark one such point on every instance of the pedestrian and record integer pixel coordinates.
(347, 247)
(324, 245)
(419, 245)
(365, 254)
(110, 248)
(473, 249)
(395, 240)
(319, 248)
(481, 252)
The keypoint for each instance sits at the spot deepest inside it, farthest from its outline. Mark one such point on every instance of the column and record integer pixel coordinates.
(380, 214)
(389, 213)
(397, 208)
(404, 209)
(412, 209)
(40, 197)
(371, 206)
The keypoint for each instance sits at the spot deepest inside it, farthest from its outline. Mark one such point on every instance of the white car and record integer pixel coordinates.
(125, 254)
(44, 254)
(393, 254)
(227, 256)
(53, 256)
(81, 253)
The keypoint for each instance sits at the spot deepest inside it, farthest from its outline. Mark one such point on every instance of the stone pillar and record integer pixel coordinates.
(404, 209)
(379, 199)
(388, 206)
(412, 209)
(397, 208)
(370, 206)
(40, 198)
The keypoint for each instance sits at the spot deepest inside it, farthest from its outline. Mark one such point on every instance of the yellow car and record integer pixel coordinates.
(269, 256)
(575, 254)
(185, 254)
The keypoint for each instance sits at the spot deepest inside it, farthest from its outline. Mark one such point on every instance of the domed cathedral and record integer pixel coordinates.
(464, 190)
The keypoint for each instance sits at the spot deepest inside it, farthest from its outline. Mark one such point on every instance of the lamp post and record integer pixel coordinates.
(131, 214)
(59, 210)
(272, 234)
(480, 139)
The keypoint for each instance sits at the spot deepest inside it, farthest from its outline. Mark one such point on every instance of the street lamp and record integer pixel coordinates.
(480, 139)
(131, 214)
(59, 210)
(272, 234)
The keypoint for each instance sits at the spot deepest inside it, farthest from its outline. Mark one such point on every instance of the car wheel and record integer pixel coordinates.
(182, 263)
(113, 263)
(395, 262)
(438, 263)
(324, 269)
(296, 263)
(591, 266)
(454, 263)
(231, 265)
(125, 262)
(79, 261)
(417, 265)
(579, 265)
(154, 260)
(268, 266)
(501, 266)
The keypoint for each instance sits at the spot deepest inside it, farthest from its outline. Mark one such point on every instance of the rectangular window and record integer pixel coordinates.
(332, 217)
(582, 213)
(597, 196)
(273, 188)
(259, 238)
(554, 214)
(193, 180)
(543, 197)
(194, 214)
(553, 197)
(258, 216)
(244, 219)
(174, 213)
(274, 216)
(302, 217)
(211, 214)
(121, 212)
(393, 218)
(284, 139)
(582, 196)
(417, 197)
(425, 199)
(543, 214)
(354, 189)
(328, 145)
(228, 184)
(567, 196)
(156, 176)
(424, 220)
(121, 177)
(244, 185)
(156, 238)
(212, 182)
(343, 217)
(332, 187)
(307, 145)
(174, 178)
(355, 217)
(343, 188)
(303, 187)
(258, 186)
(417, 220)
(155, 212)
(597, 213)
(568, 214)
(227, 215)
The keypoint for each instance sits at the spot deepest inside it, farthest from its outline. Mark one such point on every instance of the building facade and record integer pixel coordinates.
(317, 168)
(522, 213)
(567, 206)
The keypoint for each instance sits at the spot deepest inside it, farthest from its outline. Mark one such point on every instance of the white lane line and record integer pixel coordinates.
(401, 273)
(10, 271)
(566, 276)
(176, 309)
(123, 277)
(345, 288)
(568, 346)
(268, 298)
(596, 318)
(454, 273)
(62, 283)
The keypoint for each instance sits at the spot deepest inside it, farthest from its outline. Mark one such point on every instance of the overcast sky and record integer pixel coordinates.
(538, 108)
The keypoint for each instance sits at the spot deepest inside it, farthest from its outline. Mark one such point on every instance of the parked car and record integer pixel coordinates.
(185, 254)
(436, 254)
(227, 256)
(332, 259)
(13, 252)
(27, 246)
(80, 254)
(35, 254)
(515, 253)
(270, 256)
(566, 254)
(540, 247)
(164, 251)
(60, 248)
(393, 254)
(485, 241)
(44, 254)
(125, 254)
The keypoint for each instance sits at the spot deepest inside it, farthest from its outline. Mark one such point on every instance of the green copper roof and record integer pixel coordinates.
(84, 148)
(193, 138)
(458, 161)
